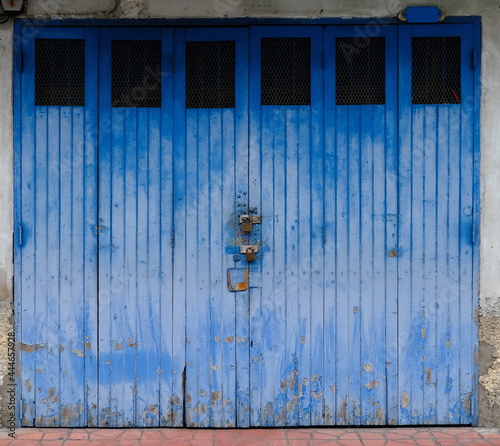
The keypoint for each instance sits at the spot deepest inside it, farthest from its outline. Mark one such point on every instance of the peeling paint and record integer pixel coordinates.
(405, 400)
(372, 384)
(368, 367)
(118, 346)
(229, 339)
(26, 348)
(78, 353)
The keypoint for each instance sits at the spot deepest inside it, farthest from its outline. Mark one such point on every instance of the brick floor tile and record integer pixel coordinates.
(107, 433)
(322, 436)
(77, 442)
(172, 443)
(333, 432)
(397, 435)
(470, 434)
(399, 441)
(203, 435)
(293, 434)
(5, 441)
(444, 435)
(58, 435)
(489, 433)
(29, 434)
(349, 442)
(349, 436)
(298, 442)
(150, 442)
(153, 435)
(101, 442)
(178, 434)
(377, 442)
(426, 442)
(475, 442)
(79, 436)
(423, 435)
(274, 434)
(133, 434)
(133, 442)
(371, 435)
(223, 435)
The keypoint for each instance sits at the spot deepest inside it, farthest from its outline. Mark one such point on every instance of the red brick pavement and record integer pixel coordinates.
(250, 437)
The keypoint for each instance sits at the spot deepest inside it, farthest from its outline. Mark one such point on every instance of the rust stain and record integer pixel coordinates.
(118, 346)
(87, 345)
(189, 398)
(405, 400)
(392, 253)
(26, 348)
(132, 344)
(61, 348)
(368, 367)
(240, 286)
(78, 353)
(229, 339)
(428, 373)
(355, 309)
(216, 396)
(27, 385)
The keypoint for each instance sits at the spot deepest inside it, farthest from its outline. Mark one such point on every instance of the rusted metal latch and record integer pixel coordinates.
(234, 276)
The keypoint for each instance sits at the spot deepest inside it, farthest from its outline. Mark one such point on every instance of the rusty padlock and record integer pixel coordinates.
(246, 226)
(250, 255)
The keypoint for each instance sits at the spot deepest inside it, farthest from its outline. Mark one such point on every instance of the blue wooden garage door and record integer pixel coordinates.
(256, 226)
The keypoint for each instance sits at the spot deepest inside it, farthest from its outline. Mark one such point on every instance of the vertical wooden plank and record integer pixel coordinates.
(329, 236)
(315, 338)
(178, 414)
(171, 358)
(405, 336)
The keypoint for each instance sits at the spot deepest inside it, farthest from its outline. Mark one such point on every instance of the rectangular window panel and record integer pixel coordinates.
(210, 74)
(136, 73)
(286, 71)
(436, 70)
(360, 71)
(60, 72)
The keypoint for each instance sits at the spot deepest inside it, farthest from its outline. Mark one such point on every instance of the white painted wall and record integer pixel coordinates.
(489, 10)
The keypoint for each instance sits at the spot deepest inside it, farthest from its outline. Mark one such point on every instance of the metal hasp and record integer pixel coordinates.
(249, 251)
(247, 222)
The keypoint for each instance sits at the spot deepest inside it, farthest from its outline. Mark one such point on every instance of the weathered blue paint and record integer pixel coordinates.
(56, 282)
(437, 182)
(361, 300)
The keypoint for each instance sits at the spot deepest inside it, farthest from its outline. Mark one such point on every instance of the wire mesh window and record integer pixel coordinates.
(60, 72)
(136, 73)
(210, 74)
(360, 71)
(436, 70)
(285, 71)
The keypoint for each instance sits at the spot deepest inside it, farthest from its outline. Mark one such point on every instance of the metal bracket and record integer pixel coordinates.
(254, 219)
(233, 274)
(245, 248)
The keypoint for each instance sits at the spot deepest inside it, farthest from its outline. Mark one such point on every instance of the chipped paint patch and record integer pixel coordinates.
(372, 384)
(405, 400)
(368, 367)
(78, 353)
(229, 339)
(27, 348)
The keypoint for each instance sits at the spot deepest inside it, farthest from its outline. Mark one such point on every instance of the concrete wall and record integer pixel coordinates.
(489, 312)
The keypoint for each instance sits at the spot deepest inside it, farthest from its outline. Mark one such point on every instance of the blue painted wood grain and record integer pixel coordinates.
(361, 300)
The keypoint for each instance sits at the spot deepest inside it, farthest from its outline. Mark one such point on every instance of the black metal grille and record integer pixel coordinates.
(436, 70)
(60, 72)
(285, 71)
(360, 71)
(210, 74)
(136, 73)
